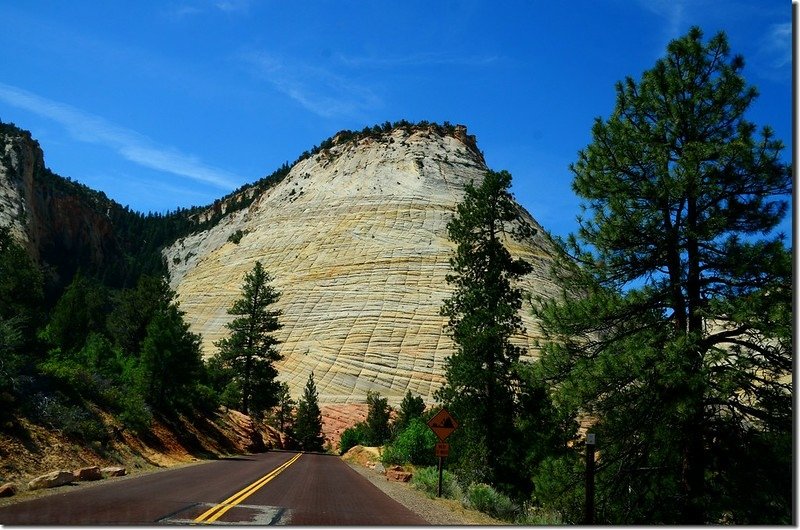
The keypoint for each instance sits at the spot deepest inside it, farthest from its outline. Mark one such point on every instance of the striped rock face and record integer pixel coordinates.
(355, 238)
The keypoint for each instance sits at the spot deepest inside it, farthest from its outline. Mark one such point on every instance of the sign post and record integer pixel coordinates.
(442, 425)
(588, 512)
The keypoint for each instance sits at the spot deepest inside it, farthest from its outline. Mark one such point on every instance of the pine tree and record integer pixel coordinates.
(483, 314)
(675, 332)
(171, 362)
(378, 412)
(250, 350)
(411, 407)
(21, 299)
(308, 420)
(283, 414)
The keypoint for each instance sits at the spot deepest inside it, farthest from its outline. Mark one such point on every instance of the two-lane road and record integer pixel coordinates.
(269, 488)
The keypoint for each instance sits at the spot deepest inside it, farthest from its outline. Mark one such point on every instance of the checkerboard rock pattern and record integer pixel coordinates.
(356, 240)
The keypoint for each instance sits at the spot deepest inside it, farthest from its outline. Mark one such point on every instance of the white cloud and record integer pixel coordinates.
(672, 11)
(417, 59)
(777, 45)
(192, 8)
(317, 89)
(233, 6)
(129, 144)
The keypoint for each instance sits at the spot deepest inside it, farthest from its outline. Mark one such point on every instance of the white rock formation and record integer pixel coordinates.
(355, 238)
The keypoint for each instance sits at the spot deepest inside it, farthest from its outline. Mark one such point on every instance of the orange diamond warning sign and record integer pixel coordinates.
(443, 424)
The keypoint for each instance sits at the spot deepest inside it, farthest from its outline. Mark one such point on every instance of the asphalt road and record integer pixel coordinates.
(263, 489)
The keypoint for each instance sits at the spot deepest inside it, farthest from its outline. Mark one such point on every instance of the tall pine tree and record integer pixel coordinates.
(483, 315)
(675, 333)
(250, 351)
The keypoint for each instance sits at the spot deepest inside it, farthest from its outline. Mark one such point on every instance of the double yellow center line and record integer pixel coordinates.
(219, 510)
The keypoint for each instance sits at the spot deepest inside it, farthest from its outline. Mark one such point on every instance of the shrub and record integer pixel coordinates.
(414, 444)
(57, 412)
(134, 412)
(426, 479)
(236, 237)
(353, 436)
(484, 498)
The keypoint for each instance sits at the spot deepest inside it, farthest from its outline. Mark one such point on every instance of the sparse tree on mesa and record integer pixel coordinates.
(250, 350)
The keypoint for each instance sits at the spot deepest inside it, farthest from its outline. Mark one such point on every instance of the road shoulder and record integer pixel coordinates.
(435, 511)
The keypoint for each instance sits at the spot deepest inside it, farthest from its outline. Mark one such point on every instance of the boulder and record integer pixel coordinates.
(52, 480)
(379, 468)
(398, 474)
(113, 471)
(8, 489)
(88, 473)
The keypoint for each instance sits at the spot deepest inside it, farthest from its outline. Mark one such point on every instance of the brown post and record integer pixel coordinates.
(440, 476)
(588, 512)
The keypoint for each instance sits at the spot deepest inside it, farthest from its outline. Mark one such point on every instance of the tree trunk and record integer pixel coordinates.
(693, 479)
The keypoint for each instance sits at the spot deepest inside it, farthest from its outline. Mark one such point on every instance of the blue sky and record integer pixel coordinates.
(175, 103)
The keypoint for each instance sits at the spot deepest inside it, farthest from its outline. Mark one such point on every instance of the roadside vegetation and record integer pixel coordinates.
(672, 337)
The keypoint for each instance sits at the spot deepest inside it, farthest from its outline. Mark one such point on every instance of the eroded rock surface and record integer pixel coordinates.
(355, 238)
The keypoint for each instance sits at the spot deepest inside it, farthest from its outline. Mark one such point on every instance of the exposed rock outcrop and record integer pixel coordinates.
(57, 219)
(355, 237)
(53, 479)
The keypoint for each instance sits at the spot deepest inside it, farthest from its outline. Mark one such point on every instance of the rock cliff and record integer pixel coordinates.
(355, 238)
(58, 220)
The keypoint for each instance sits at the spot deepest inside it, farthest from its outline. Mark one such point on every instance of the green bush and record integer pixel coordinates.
(236, 237)
(134, 412)
(353, 436)
(415, 444)
(426, 479)
(59, 413)
(484, 498)
(68, 373)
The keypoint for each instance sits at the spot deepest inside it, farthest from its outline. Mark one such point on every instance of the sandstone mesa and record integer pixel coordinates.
(356, 240)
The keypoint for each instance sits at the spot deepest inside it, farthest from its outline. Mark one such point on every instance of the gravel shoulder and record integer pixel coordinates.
(435, 511)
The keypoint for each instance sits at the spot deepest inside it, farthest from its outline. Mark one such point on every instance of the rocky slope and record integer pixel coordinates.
(355, 238)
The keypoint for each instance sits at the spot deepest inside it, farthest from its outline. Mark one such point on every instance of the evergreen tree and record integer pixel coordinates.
(135, 308)
(308, 420)
(378, 412)
(675, 333)
(250, 350)
(80, 311)
(21, 297)
(283, 414)
(483, 312)
(21, 282)
(411, 407)
(171, 362)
